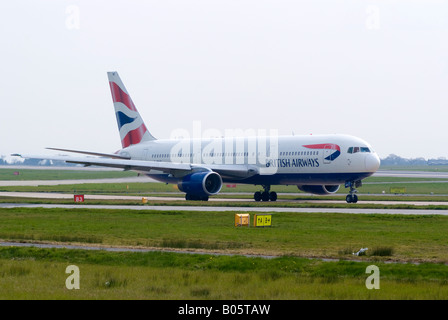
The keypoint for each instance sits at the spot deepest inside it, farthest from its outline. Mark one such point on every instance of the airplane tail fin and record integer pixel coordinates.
(130, 124)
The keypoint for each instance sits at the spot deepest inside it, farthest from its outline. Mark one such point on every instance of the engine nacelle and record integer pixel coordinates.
(319, 189)
(201, 184)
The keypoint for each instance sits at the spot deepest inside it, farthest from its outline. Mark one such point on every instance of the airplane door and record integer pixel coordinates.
(327, 153)
(147, 152)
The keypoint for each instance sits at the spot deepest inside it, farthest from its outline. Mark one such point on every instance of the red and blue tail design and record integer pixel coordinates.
(130, 123)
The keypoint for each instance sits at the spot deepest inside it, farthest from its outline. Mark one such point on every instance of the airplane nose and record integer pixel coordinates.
(372, 162)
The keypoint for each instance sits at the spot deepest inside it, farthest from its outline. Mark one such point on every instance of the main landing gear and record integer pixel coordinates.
(265, 195)
(352, 197)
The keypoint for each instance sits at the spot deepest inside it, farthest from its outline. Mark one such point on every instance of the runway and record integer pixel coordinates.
(180, 207)
(231, 209)
(443, 176)
(411, 174)
(52, 195)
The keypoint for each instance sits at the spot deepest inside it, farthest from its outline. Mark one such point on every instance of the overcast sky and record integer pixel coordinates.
(374, 69)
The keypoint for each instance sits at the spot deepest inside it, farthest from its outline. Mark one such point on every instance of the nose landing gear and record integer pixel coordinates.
(265, 195)
(352, 197)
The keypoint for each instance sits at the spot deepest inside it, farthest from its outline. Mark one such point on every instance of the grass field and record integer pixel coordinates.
(29, 273)
(15, 174)
(409, 238)
(418, 246)
(32, 273)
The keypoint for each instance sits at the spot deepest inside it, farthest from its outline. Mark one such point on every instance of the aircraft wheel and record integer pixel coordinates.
(265, 196)
(349, 198)
(273, 196)
(257, 196)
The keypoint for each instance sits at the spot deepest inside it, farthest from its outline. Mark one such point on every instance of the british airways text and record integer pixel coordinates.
(288, 163)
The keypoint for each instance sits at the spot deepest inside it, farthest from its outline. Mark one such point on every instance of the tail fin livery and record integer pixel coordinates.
(130, 123)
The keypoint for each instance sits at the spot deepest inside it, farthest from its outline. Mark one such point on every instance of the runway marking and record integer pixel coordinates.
(48, 195)
(232, 209)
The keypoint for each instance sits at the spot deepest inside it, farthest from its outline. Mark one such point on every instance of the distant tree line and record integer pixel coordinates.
(35, 162)
(391, 160)
(394, 160)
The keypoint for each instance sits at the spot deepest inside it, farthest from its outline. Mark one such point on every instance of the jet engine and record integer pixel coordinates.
(321, 190)
(200, 185)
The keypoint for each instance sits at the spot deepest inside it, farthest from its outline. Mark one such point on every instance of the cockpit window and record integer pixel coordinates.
(358, 149)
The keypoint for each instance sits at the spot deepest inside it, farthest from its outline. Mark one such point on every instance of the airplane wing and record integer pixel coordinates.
(176, 169)
(107, 155)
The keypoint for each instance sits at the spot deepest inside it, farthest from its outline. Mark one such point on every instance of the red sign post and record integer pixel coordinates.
(79, 198)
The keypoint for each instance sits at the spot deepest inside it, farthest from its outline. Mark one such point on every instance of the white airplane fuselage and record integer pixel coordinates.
(296, 160)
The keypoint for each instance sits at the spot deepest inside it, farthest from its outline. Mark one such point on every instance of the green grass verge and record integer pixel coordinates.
(60, 174)
(31, 273)
(409, 237)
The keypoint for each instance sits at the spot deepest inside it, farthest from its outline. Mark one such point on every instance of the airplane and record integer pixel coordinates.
(317, 164)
